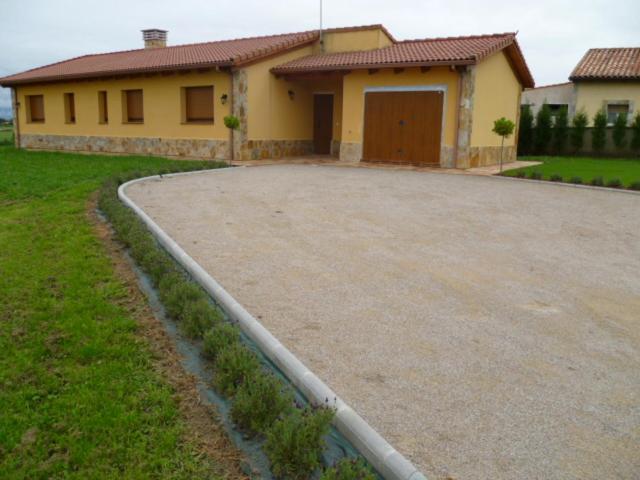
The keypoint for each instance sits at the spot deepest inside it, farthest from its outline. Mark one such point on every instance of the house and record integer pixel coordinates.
(605, 79)
(356, 93)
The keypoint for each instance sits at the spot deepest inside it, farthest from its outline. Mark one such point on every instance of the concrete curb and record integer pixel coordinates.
(385, 459)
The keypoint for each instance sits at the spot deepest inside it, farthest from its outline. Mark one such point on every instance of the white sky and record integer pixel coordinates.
(553, 34)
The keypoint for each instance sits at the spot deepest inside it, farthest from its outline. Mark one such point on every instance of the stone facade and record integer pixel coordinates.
(335, 148)
(350, 151)
(240, 108)
(263, 149)
(447, 159)
(169, 147)
(485, 156)
(465, 118)
(16, 123)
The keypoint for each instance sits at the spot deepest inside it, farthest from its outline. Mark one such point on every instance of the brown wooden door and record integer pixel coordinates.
(322, 123)
(403, 127)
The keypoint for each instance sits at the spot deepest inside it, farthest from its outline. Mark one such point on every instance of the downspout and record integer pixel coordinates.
(16, 118)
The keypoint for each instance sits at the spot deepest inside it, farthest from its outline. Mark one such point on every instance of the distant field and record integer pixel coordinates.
(6, 135)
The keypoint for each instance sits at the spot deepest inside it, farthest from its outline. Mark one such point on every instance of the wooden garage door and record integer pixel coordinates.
(403, 127)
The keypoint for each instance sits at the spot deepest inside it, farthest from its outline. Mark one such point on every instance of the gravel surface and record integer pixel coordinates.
(488, 328)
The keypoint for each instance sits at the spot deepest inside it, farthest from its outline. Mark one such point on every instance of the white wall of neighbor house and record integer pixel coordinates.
(561, 94)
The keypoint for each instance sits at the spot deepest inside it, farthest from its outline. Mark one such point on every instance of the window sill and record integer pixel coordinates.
(133, 122)
(197, 122)
(36, 121)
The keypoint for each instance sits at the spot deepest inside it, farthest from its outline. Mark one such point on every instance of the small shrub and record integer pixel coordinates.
(535, 176)
(579, 127)
(635, 185)
(218, 338)
(231, 122)
(520, 174)
(156, 263)
(198, 317)
(614, 183)
(576, 180)
(349, 469)
(555, 178)
(294, 443)
(597, 182)
(234, 365)
(259, 402)
(175, 292)
(599, 132)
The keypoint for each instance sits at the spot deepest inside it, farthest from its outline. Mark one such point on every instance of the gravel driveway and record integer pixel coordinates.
(489, 329)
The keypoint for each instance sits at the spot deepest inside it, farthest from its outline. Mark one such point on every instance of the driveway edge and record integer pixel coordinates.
(387, 460)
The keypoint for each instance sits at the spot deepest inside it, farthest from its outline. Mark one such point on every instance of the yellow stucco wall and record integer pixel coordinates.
(350, 41)
(272, 115)
(591, 96)
(356, 82)
(497, 94)
(161, 102)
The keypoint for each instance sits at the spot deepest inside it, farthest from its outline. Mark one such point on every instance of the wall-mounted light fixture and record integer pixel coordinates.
(292, 94)
(223, 98)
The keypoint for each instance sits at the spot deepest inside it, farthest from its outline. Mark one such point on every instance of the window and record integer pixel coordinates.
(103, 111)
(69, 108)
(556, 108)
(197, 104)
(35, 108)
(616, 109)
(132, 107)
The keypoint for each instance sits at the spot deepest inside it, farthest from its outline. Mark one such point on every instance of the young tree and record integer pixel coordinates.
(543, 129)
(579, 123)
(635, 133)
(561, 131)
(599, 132)
(503, 127)
(525, 132)
(620, 131)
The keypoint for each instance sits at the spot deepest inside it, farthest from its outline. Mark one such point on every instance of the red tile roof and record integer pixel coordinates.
(608, 64)
(197, 55)
(428, 52)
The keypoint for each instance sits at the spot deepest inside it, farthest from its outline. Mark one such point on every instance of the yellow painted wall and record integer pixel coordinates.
(356, 82)
(272, 115)
(350, 41)
(591, 96)
(497, 94)
(162, 107)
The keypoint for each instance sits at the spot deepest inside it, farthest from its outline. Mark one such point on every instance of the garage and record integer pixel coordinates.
(403, 127)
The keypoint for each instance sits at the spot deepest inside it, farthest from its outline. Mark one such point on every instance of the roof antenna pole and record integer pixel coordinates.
(321, 39)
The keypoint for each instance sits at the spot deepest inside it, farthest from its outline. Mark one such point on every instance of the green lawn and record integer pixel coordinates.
(79, 396)
(627, 170)
(6, 135)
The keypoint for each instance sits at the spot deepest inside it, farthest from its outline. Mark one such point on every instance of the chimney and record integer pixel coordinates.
(154, 38)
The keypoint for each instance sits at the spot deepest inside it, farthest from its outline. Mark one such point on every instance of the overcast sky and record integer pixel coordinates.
(553, 34)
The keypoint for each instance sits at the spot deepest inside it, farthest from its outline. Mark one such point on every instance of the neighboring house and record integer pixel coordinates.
(356, 93)
(558, 96)
(605, 78)
(608, 79)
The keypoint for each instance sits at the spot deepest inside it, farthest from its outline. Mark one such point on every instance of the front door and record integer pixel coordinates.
(322, 123)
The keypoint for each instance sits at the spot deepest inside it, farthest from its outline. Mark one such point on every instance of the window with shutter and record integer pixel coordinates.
(35, 108)
(133, 105)
(69, 108)
(198, 104)
(103, 111)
